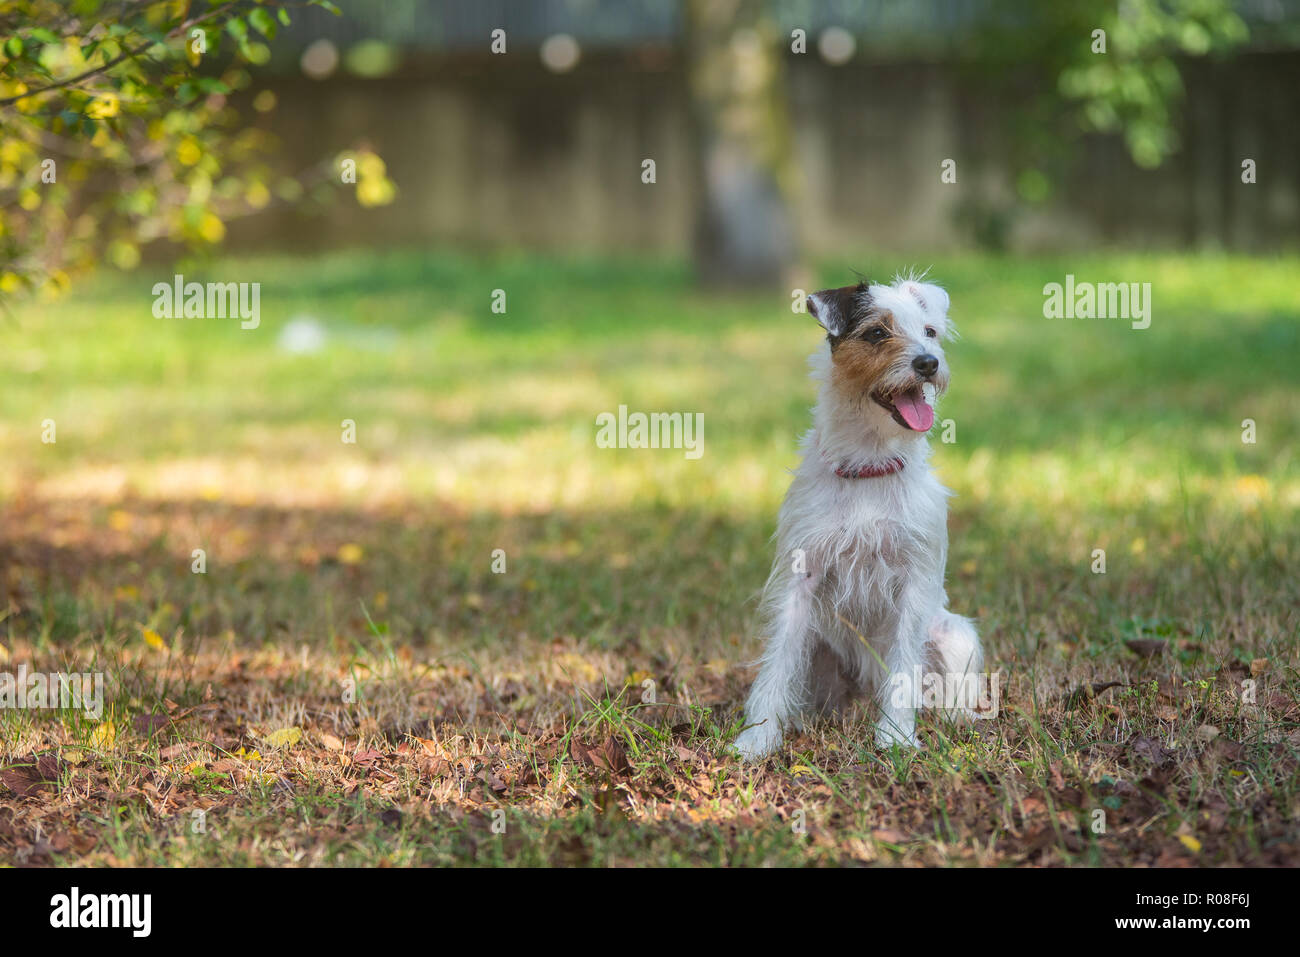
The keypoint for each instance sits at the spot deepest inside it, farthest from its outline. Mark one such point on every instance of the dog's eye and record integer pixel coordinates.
(930, 331)
(876, 334)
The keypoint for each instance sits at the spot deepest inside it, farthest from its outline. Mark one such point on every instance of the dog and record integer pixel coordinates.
(855, 602)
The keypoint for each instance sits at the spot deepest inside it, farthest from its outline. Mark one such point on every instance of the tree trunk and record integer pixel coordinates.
(743, 146)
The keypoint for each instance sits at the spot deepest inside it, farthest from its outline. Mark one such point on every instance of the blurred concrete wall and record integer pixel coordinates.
(505, 154)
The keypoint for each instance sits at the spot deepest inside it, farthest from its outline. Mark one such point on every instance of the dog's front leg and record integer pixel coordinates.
(900, 696)
(779, 692)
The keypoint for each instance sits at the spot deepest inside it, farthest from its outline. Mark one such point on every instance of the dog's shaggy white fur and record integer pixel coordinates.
(855, 602)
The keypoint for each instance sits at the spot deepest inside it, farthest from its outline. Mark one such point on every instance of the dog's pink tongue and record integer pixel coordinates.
(912, 407)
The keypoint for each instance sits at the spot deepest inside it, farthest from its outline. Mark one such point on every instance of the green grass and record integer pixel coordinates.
(475, 431)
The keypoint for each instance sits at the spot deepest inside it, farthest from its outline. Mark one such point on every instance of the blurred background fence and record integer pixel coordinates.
(543, 147)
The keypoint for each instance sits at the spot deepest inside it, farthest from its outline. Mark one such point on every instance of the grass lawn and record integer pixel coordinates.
(349, 682)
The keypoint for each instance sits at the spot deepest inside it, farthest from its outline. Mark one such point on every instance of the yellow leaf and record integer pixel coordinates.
(212, 228)
(1191, 843)
(576, 667)
(800, 769)
(375, 192)
(103, 106)
(58, 281)
(154, 640)
(257, 195)
(284, 738)
(118, 520)
(371, 164)
(351, 554)
(188, 152)
(4, 653)
(104, 736)
(331, 742)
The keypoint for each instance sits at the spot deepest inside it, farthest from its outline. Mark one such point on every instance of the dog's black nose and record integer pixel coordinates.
(927, 365)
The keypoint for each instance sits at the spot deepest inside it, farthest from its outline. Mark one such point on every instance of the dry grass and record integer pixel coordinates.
(349, 681)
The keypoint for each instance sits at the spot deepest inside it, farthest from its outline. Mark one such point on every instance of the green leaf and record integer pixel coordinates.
(14, 47)
(261, 21)
(283, 16)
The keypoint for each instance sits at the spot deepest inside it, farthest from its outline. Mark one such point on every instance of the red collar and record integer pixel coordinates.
(888, 467)
(871, 471)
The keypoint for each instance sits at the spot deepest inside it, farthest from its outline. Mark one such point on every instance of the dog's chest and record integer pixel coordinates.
(885, 520)
(874, 553)
(870, 540)
(864, 580)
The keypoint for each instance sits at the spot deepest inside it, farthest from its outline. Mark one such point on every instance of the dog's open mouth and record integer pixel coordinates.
(909, 408)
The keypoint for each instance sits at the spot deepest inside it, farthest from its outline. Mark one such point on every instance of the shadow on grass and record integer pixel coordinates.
(500, 669)
(651, 584)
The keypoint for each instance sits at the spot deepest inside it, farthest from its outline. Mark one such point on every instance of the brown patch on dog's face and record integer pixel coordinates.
(863, 357)
(884, 351)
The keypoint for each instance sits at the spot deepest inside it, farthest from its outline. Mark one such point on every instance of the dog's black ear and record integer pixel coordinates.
(836, 309)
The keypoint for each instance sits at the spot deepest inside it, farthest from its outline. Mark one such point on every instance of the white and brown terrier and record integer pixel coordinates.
(855, 602)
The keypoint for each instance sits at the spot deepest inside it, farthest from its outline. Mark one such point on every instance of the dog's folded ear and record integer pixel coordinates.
(835, 309)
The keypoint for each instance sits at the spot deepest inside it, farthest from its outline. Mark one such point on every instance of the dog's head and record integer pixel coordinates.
(886, 347)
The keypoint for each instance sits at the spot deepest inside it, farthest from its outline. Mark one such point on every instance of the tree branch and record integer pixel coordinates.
(77, 79)
(179, 29)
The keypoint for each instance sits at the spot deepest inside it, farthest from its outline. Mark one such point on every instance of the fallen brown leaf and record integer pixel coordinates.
(1145, 647)
(28, 775)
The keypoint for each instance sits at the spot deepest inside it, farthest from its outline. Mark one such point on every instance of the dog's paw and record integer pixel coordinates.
(758, 742)
(886, 738)
(960, 717)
